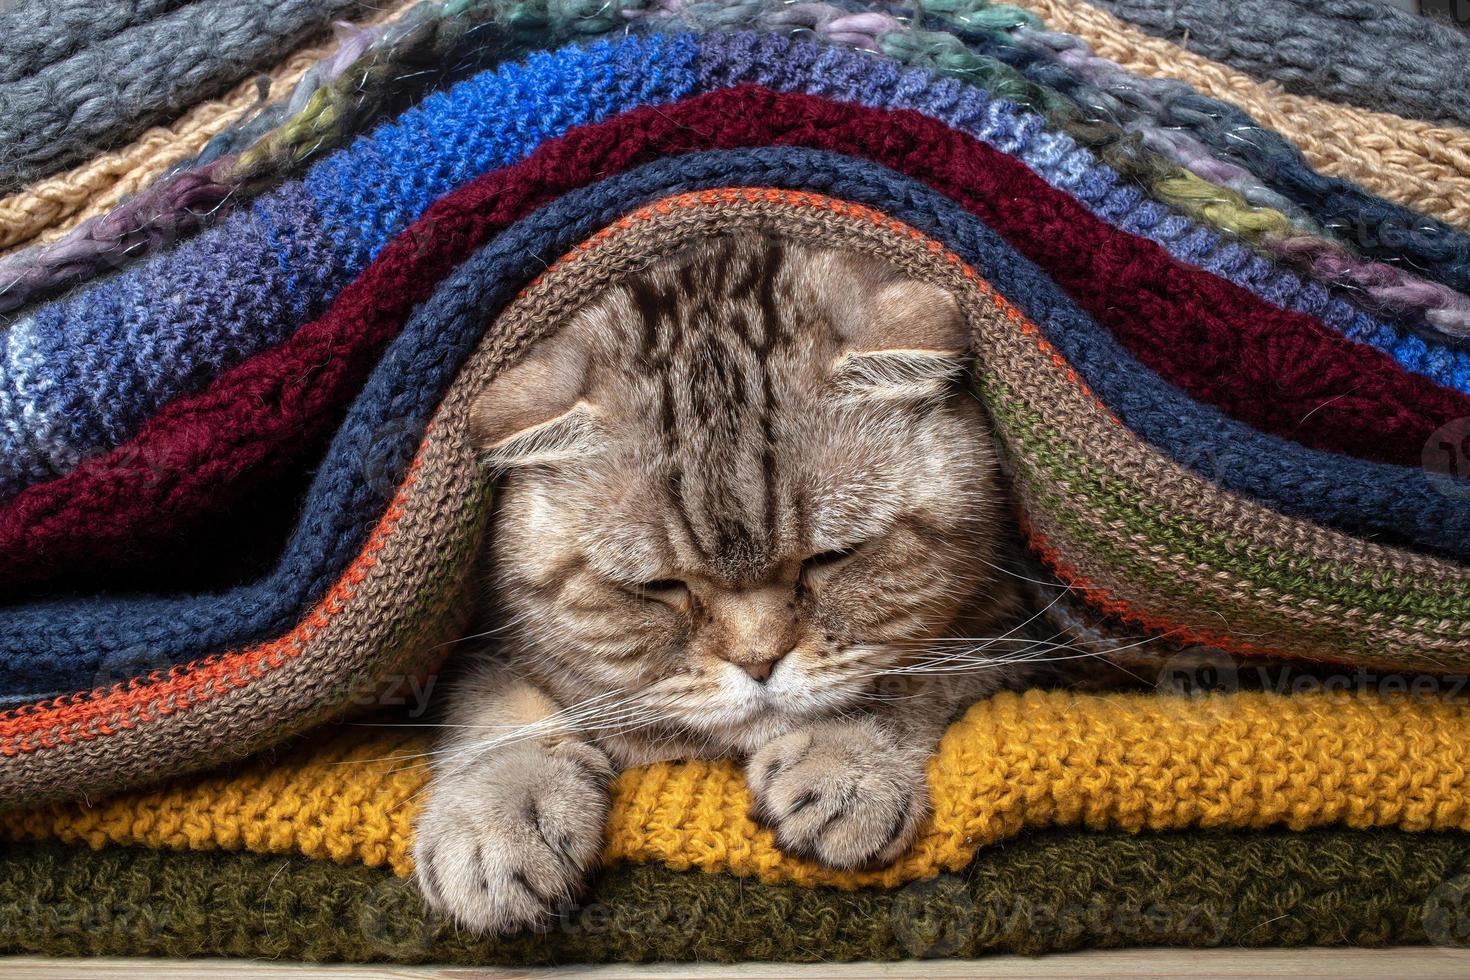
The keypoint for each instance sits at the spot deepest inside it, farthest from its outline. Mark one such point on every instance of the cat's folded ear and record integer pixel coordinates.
(911, 343)
(534, 412)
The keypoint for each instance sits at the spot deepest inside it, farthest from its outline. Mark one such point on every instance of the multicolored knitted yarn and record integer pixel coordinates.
(1418, 164)
(1090, 492)
(52, 349)
(1355, 491)
(303, 852)
(1369, 54)
(84, 92)
(48, 209)
(1390, 288)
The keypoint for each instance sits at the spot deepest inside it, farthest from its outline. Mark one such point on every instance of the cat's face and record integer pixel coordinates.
(741, 489)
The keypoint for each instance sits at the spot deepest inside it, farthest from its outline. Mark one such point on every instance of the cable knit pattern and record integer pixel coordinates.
(111, 91)
(1040, 893)
(1362, 51)
(126, 313)
(1129, 762)
(1301, 589)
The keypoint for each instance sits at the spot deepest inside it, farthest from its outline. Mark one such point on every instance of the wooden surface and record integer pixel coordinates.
(1427, 962)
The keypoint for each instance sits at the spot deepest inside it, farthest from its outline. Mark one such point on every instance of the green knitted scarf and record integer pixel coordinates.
(1041, 893)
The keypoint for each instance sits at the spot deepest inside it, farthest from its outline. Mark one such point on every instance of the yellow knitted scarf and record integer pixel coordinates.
(1040, 759)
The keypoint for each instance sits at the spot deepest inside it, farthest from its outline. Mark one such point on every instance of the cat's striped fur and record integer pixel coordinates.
(744, 493)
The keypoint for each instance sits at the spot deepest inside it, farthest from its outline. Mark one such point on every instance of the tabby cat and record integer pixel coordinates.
(745, 492)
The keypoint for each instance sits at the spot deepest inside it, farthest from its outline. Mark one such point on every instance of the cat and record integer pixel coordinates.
(741, 491)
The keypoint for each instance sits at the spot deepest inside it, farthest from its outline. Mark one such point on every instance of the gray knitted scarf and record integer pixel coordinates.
(1360, 51)
(78, 77)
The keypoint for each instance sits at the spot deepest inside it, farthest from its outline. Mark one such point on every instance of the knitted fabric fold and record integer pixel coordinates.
(1392, 288)
(331, 236)
(34, 35)
(1418, 164)
(1041, 893)
(1219, 330)
(1276, 581)
(55, 646)
(1138, 126)
(162, 62)
(1012, 764)
(1369, 53)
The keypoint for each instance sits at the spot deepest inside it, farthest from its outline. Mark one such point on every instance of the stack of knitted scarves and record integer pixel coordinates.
(1061, 821)
(1159, 482)
(1205, 449)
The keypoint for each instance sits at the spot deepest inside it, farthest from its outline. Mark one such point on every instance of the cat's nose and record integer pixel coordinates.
(761, 672)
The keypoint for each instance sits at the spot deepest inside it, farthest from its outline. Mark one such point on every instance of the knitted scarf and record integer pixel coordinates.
(1360, 755)
(80, 90)
(318, 225)
(1087, 111)
(1369, 54)
(304, 853)
(1042, 893)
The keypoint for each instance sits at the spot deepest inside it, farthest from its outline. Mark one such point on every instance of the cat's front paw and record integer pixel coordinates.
(842, 792)
(509, 837)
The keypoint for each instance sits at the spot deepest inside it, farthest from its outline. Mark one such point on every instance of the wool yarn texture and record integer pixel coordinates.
(46, 352)
(95, 634)
(367, 626)
(34, 35)
(131, 234)
(1370, 54)
(240, 511)
(377, 72)
(1040, 893)
(48, 209)
(1011, 765)
(1380, 229)
(1141, 128)
(1418, 164)
(108, 92)
(1385, 285)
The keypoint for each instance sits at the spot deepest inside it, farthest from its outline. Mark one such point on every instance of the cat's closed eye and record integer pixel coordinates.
(667, 590)
(814, 566)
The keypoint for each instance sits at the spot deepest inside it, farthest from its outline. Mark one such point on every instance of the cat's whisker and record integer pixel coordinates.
(1030, 651)
(1024, 578)
(591, 715)
(494, 630)
(1041, 653)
